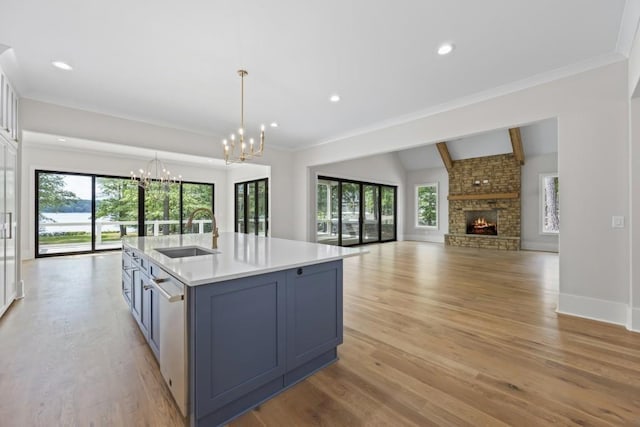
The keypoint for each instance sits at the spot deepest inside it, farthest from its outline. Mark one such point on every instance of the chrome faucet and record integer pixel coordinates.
(214, 225)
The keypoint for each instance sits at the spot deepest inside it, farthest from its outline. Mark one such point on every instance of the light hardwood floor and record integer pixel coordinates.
(433, 336)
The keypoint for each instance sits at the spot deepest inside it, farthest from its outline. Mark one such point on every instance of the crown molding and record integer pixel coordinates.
(628, 27)
(529, 82)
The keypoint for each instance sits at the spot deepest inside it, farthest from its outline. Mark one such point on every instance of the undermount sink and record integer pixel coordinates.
(186, 251)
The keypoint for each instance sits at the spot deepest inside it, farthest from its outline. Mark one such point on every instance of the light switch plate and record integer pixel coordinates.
(617, 221)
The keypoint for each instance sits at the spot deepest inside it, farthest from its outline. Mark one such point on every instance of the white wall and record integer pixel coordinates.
(593, 126)
(45, 157)
(633, 315)
(379, 169)
(427, 176)
(531, 236)
(241, 173)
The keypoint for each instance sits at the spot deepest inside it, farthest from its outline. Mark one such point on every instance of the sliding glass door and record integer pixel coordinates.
(389, 210)
(252, 207)
(116, 211)
(353, 213)
(350, 213)
(81, 213)
(162, 211)
(64, 213)
(327, 212)
(371, 220)
(195, 196)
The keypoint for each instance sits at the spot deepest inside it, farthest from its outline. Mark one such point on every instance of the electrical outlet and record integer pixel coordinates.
(617, 222)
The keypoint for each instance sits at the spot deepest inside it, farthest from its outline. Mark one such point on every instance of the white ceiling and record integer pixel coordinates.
(174, 63)
(537, 139)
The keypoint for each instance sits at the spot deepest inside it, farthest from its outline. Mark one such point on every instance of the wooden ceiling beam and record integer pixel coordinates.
(516, 143)
(444, 153)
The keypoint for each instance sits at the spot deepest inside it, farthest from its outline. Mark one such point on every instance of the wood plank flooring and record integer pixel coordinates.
(433, 336)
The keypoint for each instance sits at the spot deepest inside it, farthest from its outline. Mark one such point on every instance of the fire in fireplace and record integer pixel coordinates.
(482, 222)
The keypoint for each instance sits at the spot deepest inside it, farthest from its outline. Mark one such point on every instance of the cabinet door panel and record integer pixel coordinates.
(314, 311)
(154, 321)
(126, 288)
(239, 332)
(145, 313)
(136, 303)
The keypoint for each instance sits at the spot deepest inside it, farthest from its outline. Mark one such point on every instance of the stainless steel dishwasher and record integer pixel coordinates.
(173, 340)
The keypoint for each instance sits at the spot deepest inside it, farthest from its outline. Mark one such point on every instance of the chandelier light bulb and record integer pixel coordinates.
(240, 131)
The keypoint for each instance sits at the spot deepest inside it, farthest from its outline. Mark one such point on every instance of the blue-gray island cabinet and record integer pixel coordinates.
(263, 322)
(253, 337)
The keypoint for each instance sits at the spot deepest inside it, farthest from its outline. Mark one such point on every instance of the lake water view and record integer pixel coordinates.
(71, 221)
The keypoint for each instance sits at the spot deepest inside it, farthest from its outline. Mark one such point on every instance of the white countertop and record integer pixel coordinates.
(240, 255)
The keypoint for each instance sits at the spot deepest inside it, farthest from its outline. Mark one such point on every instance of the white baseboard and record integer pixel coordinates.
(633, 323)
(433, 238)
(539, 246)
(593, 308)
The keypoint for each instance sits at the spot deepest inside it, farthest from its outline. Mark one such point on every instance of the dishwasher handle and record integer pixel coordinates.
(171, 297)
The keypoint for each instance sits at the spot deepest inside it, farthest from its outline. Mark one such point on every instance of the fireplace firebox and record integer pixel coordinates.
(482, 222)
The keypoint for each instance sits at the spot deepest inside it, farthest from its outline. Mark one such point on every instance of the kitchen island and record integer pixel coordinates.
(233, 326)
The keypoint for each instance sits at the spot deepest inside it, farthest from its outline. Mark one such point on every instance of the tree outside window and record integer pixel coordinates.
(550, 203)
(427, 205)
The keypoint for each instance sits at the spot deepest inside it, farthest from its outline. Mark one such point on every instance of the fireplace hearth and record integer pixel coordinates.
(482, 222)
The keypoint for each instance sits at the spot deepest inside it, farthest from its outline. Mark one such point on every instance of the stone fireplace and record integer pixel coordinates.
(484, 203)
(484, 223)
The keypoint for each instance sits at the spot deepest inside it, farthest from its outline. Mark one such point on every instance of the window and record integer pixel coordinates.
(82, 213)
(352, 212)
(196, 196)
(427, 205)
(550, 203)
(252, 207)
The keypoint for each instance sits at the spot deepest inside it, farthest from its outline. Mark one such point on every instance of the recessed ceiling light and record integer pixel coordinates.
(62, 65)
(274, 124)
(334, 98)
(62, 140)
(445, 48)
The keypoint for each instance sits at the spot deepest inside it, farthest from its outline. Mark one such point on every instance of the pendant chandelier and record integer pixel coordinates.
(155, 179)
(244, 152)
